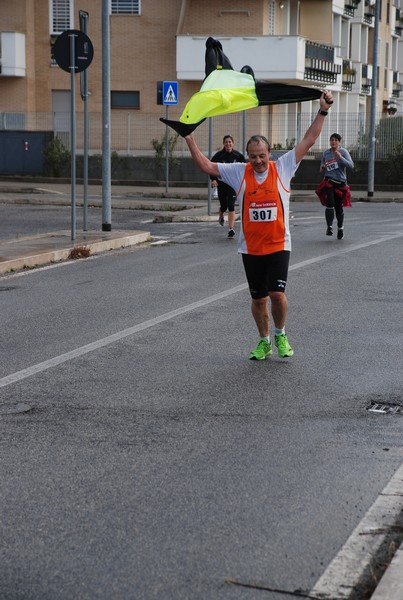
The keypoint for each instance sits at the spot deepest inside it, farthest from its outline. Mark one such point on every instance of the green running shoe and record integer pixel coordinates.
(282, 345)
(262, 350)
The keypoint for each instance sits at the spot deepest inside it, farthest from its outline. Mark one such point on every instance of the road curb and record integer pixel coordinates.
(41, 250)
(391, 584)
(355, 569)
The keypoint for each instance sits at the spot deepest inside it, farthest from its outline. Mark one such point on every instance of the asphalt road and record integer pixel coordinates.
(24, 220)
(144, 456)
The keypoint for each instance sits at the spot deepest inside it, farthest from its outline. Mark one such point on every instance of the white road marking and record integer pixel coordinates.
(51, 191)
(346, 250)
(311, 218)
(347, 568)
(110, 339)
(58, 360)
(166, 240)
(181, 236)
(68, 263)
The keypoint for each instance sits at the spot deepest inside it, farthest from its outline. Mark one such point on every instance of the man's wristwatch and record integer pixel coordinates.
(322, 112)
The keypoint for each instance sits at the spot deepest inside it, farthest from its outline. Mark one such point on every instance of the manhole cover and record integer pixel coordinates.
(383, 408)
(11, 409)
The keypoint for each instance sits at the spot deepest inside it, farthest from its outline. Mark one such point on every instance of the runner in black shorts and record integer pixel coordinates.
(263, 187)
(226, 194)
(227, 198)
(266, 273)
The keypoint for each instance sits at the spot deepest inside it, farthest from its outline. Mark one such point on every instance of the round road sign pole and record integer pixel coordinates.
(73, 135)
(65, 48)
(84, 94)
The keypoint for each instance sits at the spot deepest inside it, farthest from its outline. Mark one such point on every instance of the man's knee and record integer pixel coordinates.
(260, 303)
(277, 297)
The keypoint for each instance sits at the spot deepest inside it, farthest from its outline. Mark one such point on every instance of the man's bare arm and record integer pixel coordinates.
(202, 162)
(314, 130)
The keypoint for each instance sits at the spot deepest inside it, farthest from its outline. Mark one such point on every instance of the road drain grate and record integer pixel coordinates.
(383, 408)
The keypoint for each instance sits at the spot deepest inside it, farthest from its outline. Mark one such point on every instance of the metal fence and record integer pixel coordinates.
(132, 133)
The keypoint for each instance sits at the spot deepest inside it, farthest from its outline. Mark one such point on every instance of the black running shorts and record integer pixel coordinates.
(266, 273)
(227, 198)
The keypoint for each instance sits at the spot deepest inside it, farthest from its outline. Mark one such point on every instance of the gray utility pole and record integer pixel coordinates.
(73, 52)
(72, 36)
(166, 152)
(106, 117)
(83, 16)
(210, 154)
(375, 61)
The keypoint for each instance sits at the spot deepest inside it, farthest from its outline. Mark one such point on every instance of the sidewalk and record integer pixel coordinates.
(36, 250)
(172, 205)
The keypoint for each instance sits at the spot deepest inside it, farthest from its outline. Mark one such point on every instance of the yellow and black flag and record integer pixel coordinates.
(227, 91)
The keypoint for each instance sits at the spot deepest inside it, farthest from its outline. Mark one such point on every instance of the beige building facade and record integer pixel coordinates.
(321, 43)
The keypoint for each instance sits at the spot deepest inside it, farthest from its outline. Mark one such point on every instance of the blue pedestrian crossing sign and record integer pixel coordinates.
(169, 92)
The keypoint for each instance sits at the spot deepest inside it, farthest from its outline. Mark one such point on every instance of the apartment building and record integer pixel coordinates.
(324, 43)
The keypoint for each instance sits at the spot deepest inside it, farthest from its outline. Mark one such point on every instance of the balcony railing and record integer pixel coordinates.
(366, 80)
(319, 51)
(320, 76)
(369, 14)
(348, 73)
(397, 86)
(349, 77)
(301, 59)
(349, 10)
(319, 63)
(350, 7)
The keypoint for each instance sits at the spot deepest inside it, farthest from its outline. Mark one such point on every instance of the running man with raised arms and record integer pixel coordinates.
(263, 190)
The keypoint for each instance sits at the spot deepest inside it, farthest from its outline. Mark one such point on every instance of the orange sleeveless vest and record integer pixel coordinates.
(263, 213)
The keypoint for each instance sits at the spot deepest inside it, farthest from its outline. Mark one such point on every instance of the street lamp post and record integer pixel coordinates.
(371, 154)
(106, 115)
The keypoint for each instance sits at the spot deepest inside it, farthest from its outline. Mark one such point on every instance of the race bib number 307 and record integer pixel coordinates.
(259, 215)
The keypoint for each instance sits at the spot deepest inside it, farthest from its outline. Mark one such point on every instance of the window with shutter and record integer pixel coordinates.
(126, 7)
(61, 16)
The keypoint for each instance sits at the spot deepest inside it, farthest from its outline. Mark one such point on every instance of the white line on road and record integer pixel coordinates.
(343, 574)
(310, 218)
(110, 339)
(48, 191)
(165, 240)
(339, 251)
(181, 235)
(62, 358)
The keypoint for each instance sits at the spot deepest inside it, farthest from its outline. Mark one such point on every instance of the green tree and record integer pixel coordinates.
(388, 135)
(57, 156)
(394, 163)
(159, 146)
